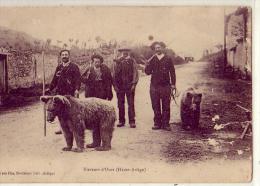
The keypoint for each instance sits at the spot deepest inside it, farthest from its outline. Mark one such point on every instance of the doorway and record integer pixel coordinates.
(3, 74)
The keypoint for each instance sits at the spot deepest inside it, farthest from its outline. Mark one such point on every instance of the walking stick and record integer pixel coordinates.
(43, 93)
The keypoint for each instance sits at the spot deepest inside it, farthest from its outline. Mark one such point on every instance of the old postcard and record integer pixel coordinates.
(126, 94)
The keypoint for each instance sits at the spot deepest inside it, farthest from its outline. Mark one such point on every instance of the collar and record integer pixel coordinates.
(160, 56)
(95, 68)
(65, 64)
(127, 57)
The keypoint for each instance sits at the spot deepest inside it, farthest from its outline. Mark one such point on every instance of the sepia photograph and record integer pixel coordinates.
(126, 94)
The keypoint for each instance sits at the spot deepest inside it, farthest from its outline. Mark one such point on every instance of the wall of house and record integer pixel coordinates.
(21, 70)
(240, 56)
(249, 42)
(25, 69)
(50, 63)
(239, 47)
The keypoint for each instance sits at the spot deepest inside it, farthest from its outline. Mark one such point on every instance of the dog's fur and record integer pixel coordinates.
(76, 115)
(190, 108)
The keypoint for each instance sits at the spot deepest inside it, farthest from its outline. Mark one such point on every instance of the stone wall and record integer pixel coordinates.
(25, 69)
(21, 70)
(50, 63)
(239, 47)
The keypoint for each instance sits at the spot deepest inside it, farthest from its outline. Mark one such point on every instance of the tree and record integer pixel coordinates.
(219, 46)
(76, 42)
(28, 45)
(65, 46)
(36, 45)
(70, 40)
(16, 45)
(48, 42)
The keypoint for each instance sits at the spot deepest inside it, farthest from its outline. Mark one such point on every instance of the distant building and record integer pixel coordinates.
(188, 58)
(238, 35)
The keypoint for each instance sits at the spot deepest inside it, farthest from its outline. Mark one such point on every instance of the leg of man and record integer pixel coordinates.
(130, 95)
(121, 107)
(166, 101)
(156, 105)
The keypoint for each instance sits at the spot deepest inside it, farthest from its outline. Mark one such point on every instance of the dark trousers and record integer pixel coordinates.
(161, 99)
(97, 89)
(130, 95)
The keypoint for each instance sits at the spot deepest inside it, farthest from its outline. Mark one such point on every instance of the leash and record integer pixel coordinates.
(174, 94)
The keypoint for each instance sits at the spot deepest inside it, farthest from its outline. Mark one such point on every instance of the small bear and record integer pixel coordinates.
(190, 109)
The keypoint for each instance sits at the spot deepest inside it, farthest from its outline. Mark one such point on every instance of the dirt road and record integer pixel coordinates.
(137, 155)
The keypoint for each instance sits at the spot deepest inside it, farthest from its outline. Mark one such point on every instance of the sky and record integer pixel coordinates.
(186, 30)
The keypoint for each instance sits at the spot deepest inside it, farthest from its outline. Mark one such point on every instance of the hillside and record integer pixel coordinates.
(12, 39)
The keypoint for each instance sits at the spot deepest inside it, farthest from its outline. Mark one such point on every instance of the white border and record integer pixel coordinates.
(255, 4)
(125, 2)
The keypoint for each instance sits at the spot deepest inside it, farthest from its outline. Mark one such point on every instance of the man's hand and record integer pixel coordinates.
(173, 87)
(132, 88)
(76, 94)
(116, 89)
(47, 92)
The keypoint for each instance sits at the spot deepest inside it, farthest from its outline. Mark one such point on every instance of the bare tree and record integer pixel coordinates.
(36, 45)
(65, 46)
(76, 42)
(70, 40)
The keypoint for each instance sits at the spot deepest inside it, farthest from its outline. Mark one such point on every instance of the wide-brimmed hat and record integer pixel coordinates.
(97, 56)
(162, 44)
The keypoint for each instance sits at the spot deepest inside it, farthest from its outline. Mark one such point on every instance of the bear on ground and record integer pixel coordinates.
(76, 115)
(190, 109)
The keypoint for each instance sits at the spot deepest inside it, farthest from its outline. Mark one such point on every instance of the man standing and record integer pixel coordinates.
(98, 79)
(125, 81)
(98, 83)
(66, 79)
(163, 79)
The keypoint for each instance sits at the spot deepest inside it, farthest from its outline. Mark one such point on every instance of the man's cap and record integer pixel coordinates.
(124, 50)
(162, 44)
(97, 56)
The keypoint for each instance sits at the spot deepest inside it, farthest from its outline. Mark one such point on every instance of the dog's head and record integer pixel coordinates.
(55, 105)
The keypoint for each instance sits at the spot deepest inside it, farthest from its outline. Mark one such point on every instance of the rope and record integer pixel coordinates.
(174, 94)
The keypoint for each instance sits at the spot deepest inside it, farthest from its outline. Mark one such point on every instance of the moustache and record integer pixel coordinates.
(65, 59)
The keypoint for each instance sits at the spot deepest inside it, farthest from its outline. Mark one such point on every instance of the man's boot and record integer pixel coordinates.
(120, 124)
(132, 125)
(58, 132)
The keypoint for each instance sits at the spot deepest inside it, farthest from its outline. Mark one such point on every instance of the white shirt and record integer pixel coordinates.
(98, 73)
(65, 64)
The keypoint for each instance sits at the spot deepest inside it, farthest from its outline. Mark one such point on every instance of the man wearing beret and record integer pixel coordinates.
(98, 83)
(163, 79)
(125, 81)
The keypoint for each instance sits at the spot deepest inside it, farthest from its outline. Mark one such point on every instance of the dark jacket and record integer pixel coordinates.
(162, 71)
(66, 80)
(98, 88)
(125, 73)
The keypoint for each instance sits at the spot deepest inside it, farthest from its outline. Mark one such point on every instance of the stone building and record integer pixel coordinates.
(23, 69)
(238, 40)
